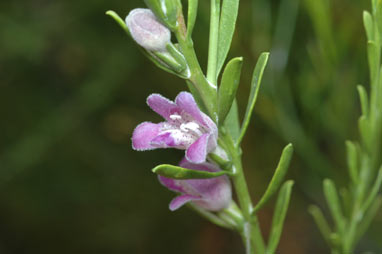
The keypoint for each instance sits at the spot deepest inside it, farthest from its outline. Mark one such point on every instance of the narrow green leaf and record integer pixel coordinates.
(336, 242)
(321, 223)
(368, 23)
(364, 100)
(279, 216)
(176, 172)
(191, 18)
(278, 176)
(231, 122)
(364, 129)
(255, 86)
(230, 9)
(374, 191)
(333, 202)
(352, 161)
(374, 6)
(372, 55)
(119, 20)
(227, 90)
(368, 218)
(346, 201)
(378, 17)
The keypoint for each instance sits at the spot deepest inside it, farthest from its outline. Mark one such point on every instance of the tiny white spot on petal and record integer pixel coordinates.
(183, 127)
(175, 117)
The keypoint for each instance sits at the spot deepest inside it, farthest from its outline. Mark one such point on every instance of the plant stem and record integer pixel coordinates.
(251, 233)
(359, 192)
(213, 44)
(206, 91)
(370, 155)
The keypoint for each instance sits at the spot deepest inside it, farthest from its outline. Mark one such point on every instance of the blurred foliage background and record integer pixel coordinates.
(73, 87)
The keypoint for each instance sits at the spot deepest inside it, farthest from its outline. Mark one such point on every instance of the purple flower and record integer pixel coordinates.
(213, 194)
(186, 127)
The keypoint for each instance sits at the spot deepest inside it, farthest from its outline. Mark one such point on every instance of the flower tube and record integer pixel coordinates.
(213, 194)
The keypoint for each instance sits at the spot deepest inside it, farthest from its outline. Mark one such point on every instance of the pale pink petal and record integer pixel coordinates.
(172, 184)
(181, 200)
(212, 142)
(147, 31)
(217, 197)
(164, 140)
(162, 105)
(186, 102)
(202, 166)
(197, 152)
(144, 134)
(215, 193)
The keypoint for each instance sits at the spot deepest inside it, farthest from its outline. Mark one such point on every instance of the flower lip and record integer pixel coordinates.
(147, 31)
(186, 127)
(212, 194)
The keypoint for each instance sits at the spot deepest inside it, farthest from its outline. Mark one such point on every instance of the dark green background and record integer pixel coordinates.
(73, 87)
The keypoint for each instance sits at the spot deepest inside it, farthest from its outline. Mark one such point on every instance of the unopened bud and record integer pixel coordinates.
(147, 31)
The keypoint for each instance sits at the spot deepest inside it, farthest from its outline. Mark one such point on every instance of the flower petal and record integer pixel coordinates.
(162, 105)
(212, 142)
(163, 140)
(209, 167)
(171, 184)
(217, 198)
(181, 200)
(186, 102)
(197, 152)
(144, 134)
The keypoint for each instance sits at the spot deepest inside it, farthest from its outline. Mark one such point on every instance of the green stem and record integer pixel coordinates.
(213, 44)
(370, 155)
(251, 233)
(206, 91)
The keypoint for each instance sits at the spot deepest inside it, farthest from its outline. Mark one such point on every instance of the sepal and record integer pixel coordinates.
(179, 173)
(119, 20)
(166, 11)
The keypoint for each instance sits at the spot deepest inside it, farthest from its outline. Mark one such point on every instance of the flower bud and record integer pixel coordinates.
(147, 31)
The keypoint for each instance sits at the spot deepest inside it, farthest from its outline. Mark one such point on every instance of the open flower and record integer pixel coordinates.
(186, 127)
(213, 194)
